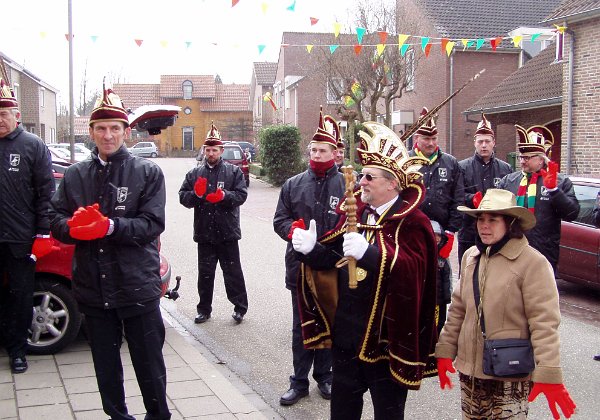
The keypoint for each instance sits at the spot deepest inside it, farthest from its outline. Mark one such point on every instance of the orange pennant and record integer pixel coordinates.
(357, 49)
(382, 36)
(427, 49)
(495, 42)
(139, 42)
(313, 21)
(67, 36)
(444, 43)
(234, 2)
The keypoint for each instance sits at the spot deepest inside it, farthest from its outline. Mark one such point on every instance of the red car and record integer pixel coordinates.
(579, 260)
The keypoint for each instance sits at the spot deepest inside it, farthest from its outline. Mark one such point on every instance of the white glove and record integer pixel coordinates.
(355, 245)
(304, 240)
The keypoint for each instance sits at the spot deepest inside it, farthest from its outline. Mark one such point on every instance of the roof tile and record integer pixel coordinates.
(229, 98)
(573, 7)
(265, 73)
(203, 86)
(136, 95)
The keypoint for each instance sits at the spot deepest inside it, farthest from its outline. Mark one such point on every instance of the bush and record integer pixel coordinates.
(257, 170)
(280, 152)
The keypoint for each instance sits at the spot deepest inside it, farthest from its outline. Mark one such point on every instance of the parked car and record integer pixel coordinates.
(247, 145)
(144, 148)
(579, 260)
(233, 154)
(81, 152)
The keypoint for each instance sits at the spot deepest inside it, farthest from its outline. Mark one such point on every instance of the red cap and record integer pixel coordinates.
(109, 108)
(328, 130)
(484, 127)
(7, 97)
(429, 128)
(213, 137)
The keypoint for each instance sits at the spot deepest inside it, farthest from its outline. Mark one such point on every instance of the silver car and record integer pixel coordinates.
(144, 148)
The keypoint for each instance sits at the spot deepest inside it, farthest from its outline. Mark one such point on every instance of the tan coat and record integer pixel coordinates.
(520, 300)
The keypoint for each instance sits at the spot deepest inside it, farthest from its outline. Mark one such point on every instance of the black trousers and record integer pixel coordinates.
(16, 298)
(352, 378)
(228, 256)
(145, 335)
(319, 360)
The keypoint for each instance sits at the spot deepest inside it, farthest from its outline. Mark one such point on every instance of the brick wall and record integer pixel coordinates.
(586, 90)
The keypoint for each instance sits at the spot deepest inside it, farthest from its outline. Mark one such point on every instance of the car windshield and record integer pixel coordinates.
(586, 195)
(232, 154)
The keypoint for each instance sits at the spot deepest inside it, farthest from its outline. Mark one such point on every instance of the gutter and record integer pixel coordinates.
(517, 107)
(575, 17)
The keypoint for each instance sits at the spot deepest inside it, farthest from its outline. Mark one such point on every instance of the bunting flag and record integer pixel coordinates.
(560, 29)
(356, 89)
(517, 40)
(336, 29)
(357, 49)
(360, 32)
(43, 35)
(348, 101)
(403, 49)
(188, 44)
(67, 36)
(380, 49)
(470, 44)
(382, 36)
(444, 44)
(480, 43)
(269, 98)
(402, 39)
(495, 42)
(427, 50)
(139, 42)
(313, 21)
(292, 7)
(309, 48)
(332, 48)
(264, 7)
(449, 47)
(164, 43)
(94, 38)
(234, 2)
(261, 48)
(465, 43)
(424, 42)
(534, 37)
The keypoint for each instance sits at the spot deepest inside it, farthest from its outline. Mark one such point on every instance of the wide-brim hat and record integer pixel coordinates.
(502, 202)
(109, 108)
(7, 96)
(429, 128)
(213, 137)
(328, 131)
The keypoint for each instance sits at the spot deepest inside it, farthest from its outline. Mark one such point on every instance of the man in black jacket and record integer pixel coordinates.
(26, 185)
(216, 190)
(540, 188)
(312, 194)
(112, 207)
(481, 171)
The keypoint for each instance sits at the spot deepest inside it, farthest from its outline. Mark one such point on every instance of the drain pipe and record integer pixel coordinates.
(450, 113)
(570, 99)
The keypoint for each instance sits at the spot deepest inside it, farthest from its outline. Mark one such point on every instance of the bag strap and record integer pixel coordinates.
(477, 295)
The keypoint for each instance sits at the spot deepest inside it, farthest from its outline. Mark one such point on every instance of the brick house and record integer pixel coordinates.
(263, 79)
(438, 75)
(203, 99)
(37, 100)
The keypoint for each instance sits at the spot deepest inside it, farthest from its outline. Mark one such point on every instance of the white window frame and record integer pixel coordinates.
(185, 130)
(188, 89)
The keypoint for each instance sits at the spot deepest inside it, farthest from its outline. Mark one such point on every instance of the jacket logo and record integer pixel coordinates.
(122, 194)
(443, 172)
(15, 159)
(221, 185)
(496, 182)
(333, 202)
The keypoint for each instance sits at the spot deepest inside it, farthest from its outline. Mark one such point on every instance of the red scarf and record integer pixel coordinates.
(321, 168)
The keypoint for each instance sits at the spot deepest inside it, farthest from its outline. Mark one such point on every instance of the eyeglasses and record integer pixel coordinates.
(525, 158)
(368, 177)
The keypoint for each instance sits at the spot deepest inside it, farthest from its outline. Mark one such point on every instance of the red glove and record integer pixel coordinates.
(216, 196)
(551, 177)
(88, 224)
(200, 186)
(555, 394)
(444, 366)
(42, 247)
(477, 199)
(85, 215)
(298, 224)
(446, 249)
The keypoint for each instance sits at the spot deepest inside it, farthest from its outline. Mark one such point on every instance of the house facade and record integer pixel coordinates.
(263, 79)
(37, 100)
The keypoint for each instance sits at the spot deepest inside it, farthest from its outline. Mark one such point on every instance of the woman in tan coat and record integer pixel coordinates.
(517, 299)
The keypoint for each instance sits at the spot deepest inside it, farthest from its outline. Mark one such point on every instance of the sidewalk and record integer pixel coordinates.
(63, 386)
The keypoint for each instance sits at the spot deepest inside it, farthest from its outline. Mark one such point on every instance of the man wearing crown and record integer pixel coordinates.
(481, 171)
(382, 330)
(215, 190)
(26, 186)
(112, 207)
(539, 187)
(311, 195)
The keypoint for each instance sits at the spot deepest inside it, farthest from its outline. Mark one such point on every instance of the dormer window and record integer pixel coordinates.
(187, 89)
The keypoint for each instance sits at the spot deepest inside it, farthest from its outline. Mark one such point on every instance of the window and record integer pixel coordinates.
(335, 88)
(188, 138)
(410, 69)
(16, 91)
(187, 89)
(43, 131)
(42, 95)
(30, 128)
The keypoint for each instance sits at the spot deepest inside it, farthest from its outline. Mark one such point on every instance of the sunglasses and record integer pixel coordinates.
(368, 177)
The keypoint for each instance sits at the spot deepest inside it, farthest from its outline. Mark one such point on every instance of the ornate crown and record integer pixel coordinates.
(535, 140)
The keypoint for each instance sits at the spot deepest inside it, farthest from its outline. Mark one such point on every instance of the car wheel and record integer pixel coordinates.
(56, 318)
(153, 154)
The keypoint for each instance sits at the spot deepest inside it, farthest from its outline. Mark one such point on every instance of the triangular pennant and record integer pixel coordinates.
(313, 21)
(382, 36)
(139, 42)
(427, 50)
(332, 48)
(43, 35)
(292, 7)
(403, 49)
(480, 43)
(465, 43)
(380, 49)
(360, 32)
(309, 48)
(495, 42)
(261, 48)
(264, 7)
(402, 39)
(444, 43)
(470, 43)
(336, 29)
(449, 47)
(424, 42)
(234, 2)
(517, 40)
(357, 49)
(534, 37)
(164, 43)
(94, 37)
(188, 44)
(67, 36)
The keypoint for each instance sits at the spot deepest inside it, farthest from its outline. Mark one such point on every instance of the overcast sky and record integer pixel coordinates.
(179, 37)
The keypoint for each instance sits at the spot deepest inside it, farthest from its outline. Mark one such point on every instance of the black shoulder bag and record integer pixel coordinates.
(504, 358)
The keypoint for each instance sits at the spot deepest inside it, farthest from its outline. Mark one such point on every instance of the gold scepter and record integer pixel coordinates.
(350, 207)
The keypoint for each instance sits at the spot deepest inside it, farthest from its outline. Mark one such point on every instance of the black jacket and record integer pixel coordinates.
(26, 186)
(550, 209)
(219, 222)
(307, 197)
(445, 191)
(122, 269)
(479, 176)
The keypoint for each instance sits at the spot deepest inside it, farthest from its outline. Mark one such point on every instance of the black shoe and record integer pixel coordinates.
(18, 364)
(324, 390)
(201, 318)
(597, 357)
(238, 317)
(292, 396)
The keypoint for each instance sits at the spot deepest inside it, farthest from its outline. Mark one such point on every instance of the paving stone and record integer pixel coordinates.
(37, 380)
(90, 415)
(80, 385)
(85, 402)
(8, 408)
(41, 365)
(135, 406)
(187, 389)
(49, 412)
(200, 406)
(222, 416)
(173, 361)
(74, 357)
(5, 374)
(132, 388)
(181, 374)
(77, 370)
(35, 397)
(7, 391)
